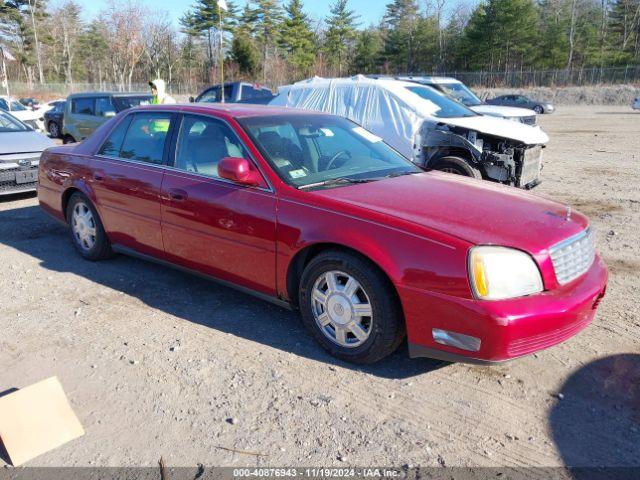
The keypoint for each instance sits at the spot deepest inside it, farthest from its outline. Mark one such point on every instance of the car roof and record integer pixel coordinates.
(234, 110)
(433, 80)
(109, 94)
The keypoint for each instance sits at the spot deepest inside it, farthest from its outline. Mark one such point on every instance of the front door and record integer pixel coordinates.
(127, 181)
(212, 225)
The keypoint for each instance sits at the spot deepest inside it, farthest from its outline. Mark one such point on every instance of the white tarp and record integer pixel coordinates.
(362, 100)
(390, 110)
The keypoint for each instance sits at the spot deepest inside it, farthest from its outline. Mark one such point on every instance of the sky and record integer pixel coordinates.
(370, 11)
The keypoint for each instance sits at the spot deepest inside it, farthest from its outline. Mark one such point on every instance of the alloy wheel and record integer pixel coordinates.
(84, 226)
(342, 309)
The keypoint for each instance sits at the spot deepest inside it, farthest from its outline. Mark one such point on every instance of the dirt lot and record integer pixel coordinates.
(157, 363)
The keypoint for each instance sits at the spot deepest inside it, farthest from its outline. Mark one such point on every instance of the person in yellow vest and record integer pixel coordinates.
(159, 92)
(160, 97)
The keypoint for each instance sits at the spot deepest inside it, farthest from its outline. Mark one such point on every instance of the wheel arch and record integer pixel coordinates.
(303, 256)
(80, 187)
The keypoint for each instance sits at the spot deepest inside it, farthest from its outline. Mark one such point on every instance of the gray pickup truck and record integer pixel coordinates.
(236, 92)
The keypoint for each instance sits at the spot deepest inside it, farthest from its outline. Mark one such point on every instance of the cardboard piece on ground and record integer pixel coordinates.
(36, 419)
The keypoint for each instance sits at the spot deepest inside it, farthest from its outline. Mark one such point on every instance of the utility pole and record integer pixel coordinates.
(222, 5)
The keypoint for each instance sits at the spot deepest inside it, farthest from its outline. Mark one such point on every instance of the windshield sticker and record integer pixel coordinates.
(367, 135)
(327, 132)
(297, 173)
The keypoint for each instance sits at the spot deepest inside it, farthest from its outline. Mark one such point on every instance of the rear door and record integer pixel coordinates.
(212, 225)
(127, 180)
(83, 116)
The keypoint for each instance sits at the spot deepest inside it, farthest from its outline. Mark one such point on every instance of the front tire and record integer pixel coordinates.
(350, 307)
(87, 233)
(68, 139)
(457, 166)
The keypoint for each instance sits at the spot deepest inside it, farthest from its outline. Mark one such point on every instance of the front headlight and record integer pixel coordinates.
(497, 273)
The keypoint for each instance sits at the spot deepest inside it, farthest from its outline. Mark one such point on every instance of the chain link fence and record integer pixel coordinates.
(512, 79)
(549, 78)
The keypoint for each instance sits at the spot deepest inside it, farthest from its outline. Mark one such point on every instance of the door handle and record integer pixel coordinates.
(178, 194)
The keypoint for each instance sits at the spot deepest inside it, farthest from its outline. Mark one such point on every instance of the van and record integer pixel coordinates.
(85, 112)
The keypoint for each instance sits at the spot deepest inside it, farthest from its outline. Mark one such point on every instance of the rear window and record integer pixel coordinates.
(250, 92)
(82, 106)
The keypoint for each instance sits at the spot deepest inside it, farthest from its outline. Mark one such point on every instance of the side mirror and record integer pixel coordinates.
(239, 170)
(191, 99)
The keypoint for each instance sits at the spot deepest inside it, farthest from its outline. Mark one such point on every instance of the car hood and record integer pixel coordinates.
(500, 111)
(26, 114)
(500, 127)
(23, 142)
(477, 211)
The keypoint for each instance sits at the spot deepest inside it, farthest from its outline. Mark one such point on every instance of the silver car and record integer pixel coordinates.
(523, 102)
(20, 149)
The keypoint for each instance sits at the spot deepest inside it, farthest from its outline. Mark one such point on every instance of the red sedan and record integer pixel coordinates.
(315, 213)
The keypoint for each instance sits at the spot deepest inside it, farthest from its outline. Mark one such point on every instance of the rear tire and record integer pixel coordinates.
(87, 233)
(54, 129)
(457, 166)
(350, 307)
(68, 139)
(538, 109)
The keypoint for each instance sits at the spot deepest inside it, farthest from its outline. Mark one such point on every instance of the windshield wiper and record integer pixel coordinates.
(399, 174)
(337, 181)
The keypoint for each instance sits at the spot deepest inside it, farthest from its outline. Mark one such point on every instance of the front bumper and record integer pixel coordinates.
(16, 178)
(507, 329)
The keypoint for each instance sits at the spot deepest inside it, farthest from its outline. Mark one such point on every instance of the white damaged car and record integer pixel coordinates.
(428, 127)
(460, 92)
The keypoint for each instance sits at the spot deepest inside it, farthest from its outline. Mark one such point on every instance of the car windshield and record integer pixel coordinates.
(9, 123)
(447, 108)
(319, 151)
(460, 93)
(124, 103)
(15, 105)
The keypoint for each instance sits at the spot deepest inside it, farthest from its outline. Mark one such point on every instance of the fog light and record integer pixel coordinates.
(458, 340)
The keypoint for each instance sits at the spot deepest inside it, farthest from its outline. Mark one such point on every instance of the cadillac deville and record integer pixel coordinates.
(315, 213)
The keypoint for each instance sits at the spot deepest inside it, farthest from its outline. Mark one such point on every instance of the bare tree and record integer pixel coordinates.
(124, 30)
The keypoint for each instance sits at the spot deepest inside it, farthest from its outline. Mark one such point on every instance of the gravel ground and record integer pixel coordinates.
(158, 363)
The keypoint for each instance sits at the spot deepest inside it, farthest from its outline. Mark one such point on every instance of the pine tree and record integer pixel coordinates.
(400, 22)
(268, 19)
(203, 21)
(297, 38)
(245, 53)
(341, 33)
(368, 51)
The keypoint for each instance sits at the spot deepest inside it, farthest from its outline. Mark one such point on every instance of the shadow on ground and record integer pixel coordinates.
(31, 231)
(596, 426)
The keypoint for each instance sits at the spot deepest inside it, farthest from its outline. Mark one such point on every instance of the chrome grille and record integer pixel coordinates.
(573, 256)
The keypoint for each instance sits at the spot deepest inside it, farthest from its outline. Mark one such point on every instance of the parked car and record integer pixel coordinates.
(313, 212)
(461, 93)
(428, 127)
(20, 149)
(53, 118)
(636, 104)
(30, 102)
(522, 102)
(85, 112)
(236, 92)
(27, 116)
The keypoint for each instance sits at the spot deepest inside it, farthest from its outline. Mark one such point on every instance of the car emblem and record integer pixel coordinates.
(24, 162)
